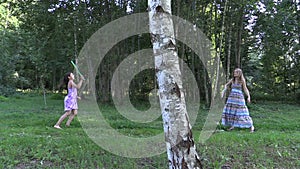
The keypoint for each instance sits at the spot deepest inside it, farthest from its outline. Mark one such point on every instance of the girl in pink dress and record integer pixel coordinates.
(70, 102)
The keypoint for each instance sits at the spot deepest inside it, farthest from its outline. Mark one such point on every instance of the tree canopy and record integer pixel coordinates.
(39, 38)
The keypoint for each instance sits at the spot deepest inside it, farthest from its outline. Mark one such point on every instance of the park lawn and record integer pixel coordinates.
(28, 139)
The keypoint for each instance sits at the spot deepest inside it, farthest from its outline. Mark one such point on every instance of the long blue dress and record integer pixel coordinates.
(235, 112)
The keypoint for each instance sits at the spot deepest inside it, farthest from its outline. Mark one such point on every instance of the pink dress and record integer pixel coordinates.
(71, 100)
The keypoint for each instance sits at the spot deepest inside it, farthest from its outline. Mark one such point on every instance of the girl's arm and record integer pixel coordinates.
(225, 88)
(76, 85)
(228, 83)
(246, 90)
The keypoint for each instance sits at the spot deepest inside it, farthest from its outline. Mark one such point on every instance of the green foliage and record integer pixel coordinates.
(38, 40)
(277, 36)
(57, 96)
(7, 62)
(139, 92)
(7, 19)
(298, 96)
(7, 90)
(3, 98)
(262, 96)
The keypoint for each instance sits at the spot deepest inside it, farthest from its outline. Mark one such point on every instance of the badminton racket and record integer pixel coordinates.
(76, 68)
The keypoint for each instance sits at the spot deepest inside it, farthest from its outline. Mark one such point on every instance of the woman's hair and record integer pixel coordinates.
(240, 78)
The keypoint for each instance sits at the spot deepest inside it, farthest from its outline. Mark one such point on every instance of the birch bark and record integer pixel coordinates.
(181, 149)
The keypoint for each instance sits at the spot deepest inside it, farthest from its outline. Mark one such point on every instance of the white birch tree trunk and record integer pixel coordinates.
(181, 149)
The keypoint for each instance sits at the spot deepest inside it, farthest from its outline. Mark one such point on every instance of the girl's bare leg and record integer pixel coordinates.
(71, 117)
(251, 129)
(231, 128)
(57, 125)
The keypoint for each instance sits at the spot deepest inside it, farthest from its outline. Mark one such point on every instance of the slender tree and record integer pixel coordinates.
(180, 144)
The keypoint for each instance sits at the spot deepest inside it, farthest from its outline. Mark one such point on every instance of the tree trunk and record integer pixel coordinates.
(219, 53)
(239, 40)
(229, 44)
(180, 144)
(229, 55)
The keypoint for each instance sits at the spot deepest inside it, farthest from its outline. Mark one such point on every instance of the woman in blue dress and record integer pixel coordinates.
(235, 112)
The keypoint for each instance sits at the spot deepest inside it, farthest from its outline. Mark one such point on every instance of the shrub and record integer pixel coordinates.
(57, 96)
(3, 98)
(6, 90)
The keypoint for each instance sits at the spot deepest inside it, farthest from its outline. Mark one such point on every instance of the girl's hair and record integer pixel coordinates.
(66, 79)
(240, 78)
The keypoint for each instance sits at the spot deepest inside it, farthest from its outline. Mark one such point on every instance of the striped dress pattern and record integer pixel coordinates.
(235, 112)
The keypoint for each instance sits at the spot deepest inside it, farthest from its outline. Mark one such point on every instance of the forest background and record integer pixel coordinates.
(40, 38)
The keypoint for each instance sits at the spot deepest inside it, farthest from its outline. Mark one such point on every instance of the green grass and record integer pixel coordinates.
(28, 139)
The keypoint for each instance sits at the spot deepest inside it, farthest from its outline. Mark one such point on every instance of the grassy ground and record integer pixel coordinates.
(28, 139)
